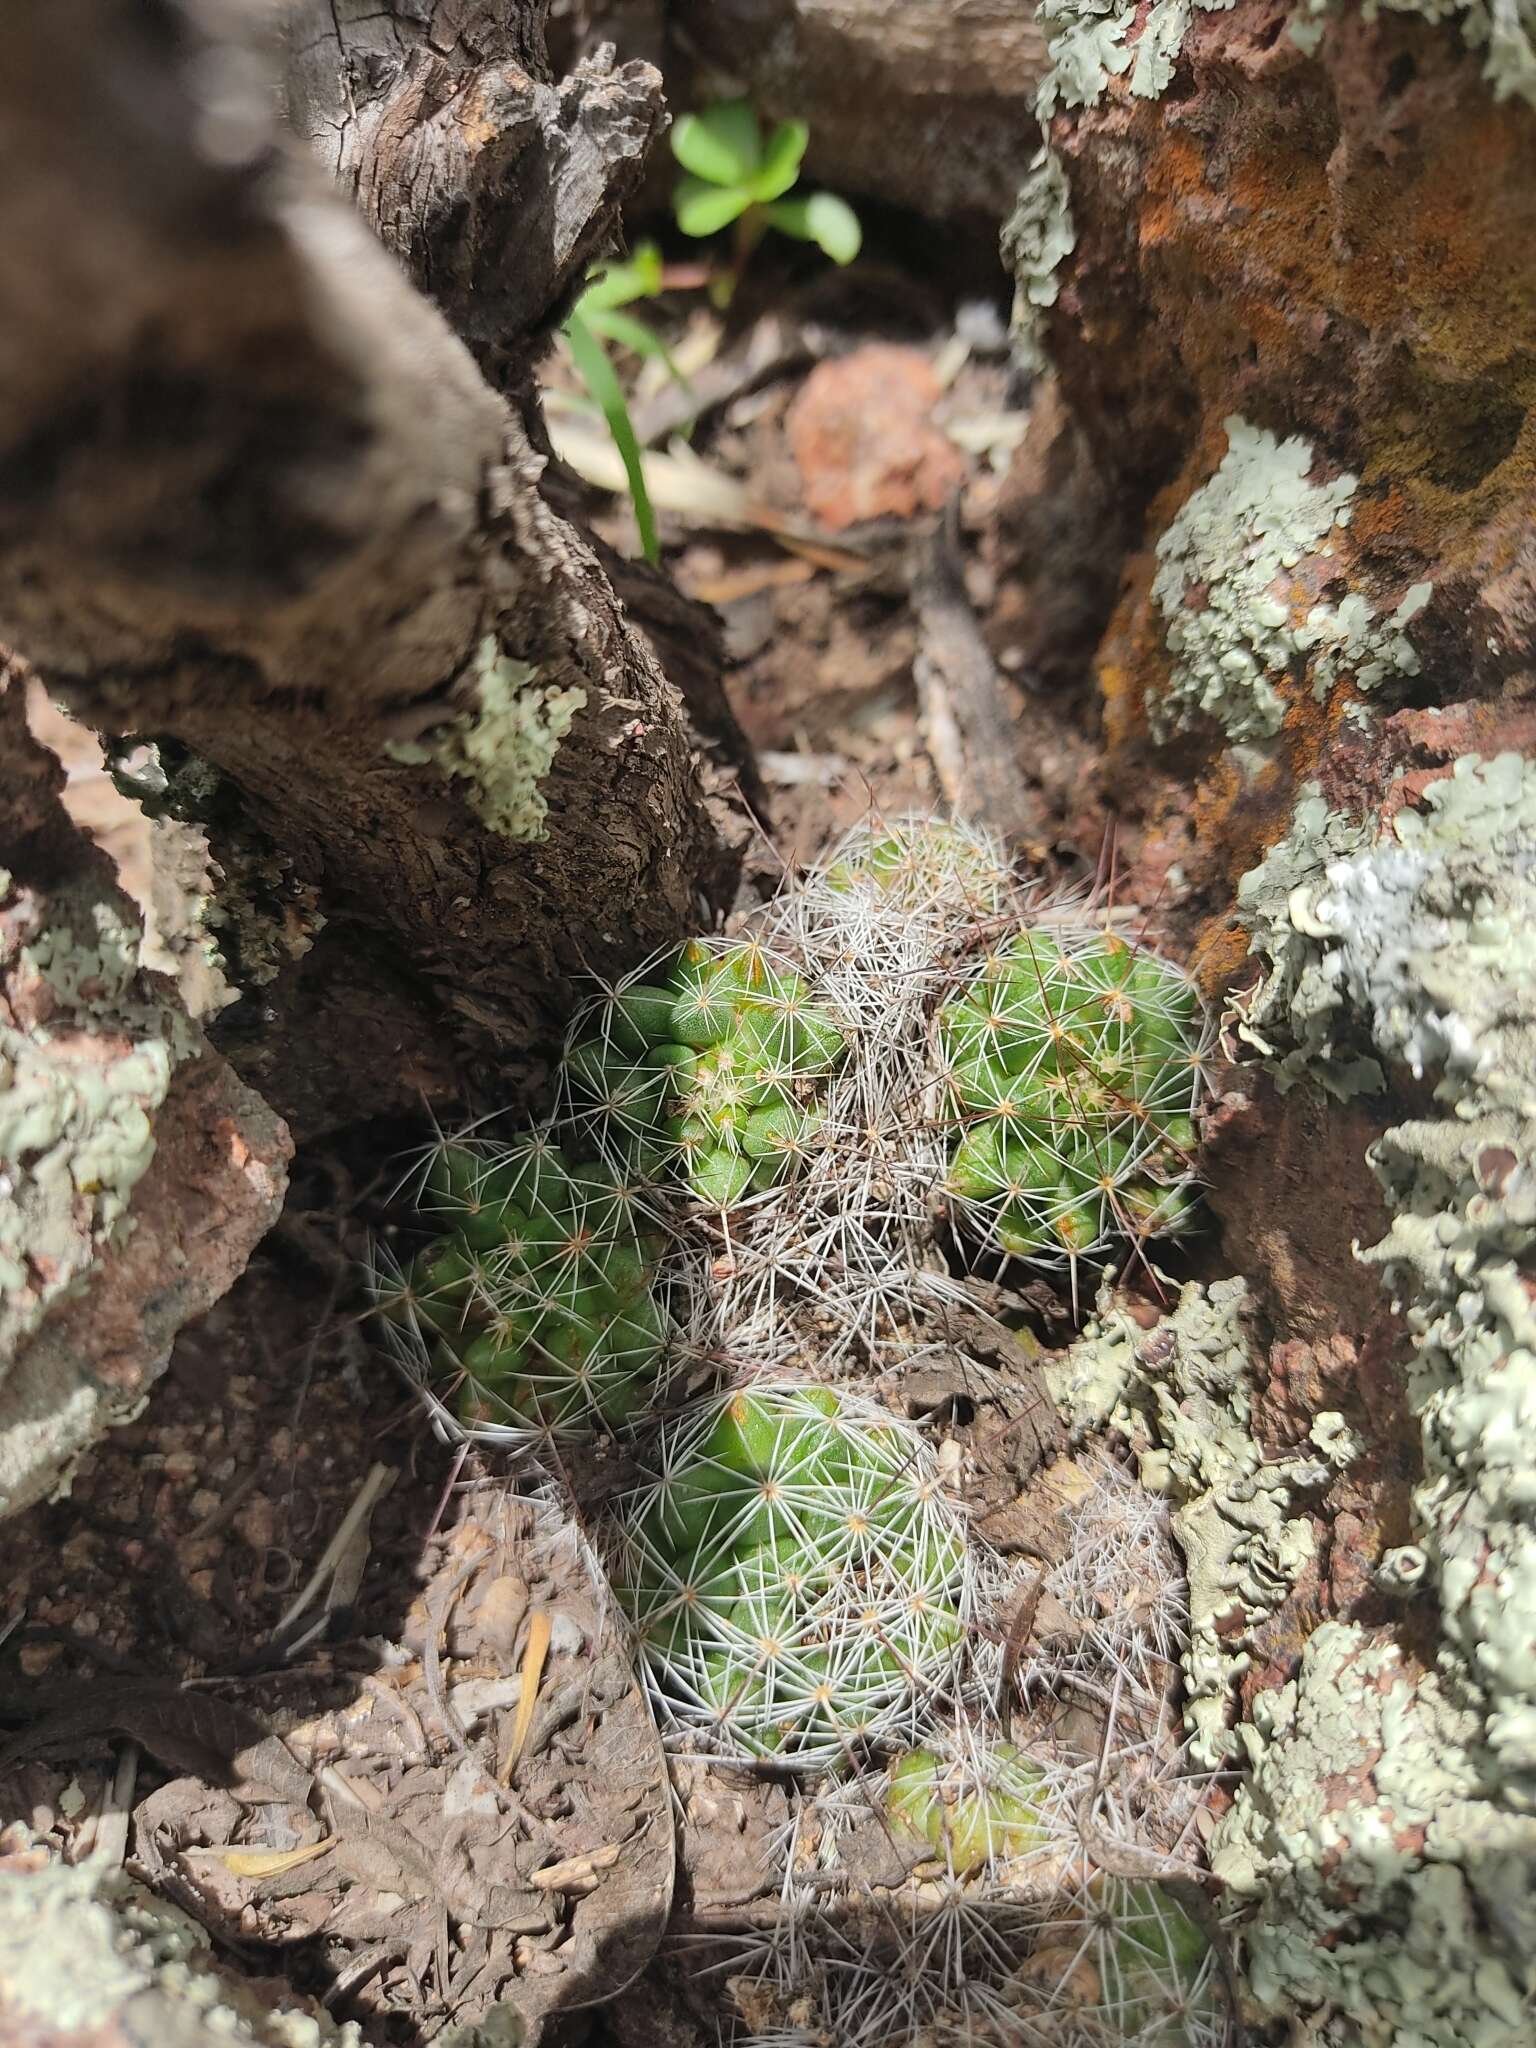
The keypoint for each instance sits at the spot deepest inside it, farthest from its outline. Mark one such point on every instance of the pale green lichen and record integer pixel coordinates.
(1085, 43)
(1390, 1822)
(80, 1945)
(506, 746)
(1038, 235)
(1235, 570)
(78, 1093)
(1183, 1396)
(1297, 1016)
(1392, 1900)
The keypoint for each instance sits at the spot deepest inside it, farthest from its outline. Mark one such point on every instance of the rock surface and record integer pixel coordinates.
(136, 1171)
(863, 436)
(1284, 267)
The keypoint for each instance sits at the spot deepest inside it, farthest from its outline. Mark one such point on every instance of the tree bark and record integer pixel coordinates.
(257, 499)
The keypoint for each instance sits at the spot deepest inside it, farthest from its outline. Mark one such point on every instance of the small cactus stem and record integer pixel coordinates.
(798, 1583)
(1074, 1066)
(534, 1315)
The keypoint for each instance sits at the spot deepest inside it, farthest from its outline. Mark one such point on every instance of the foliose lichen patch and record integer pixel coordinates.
(1091, 42)
(506, 746)
(1037, 237)
(1504, 31)
(1183, 1395)
(1239, 575)
(87, 1051)
(1393, 1894)
(1390, 1895)
(79, 1946)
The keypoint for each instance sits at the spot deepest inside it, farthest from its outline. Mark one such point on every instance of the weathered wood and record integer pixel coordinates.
(492, 185)
(256, 497)
(925, 103)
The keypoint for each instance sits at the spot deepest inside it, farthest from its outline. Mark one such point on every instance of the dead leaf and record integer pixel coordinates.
(533, 1671)
(272, 1862)
(576, 1873)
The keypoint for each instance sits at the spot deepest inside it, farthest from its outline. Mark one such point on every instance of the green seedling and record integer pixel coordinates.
(1072, 1069)
(976, 1805)
(534, 1310)
(796, 1579)
(734, 174)
(710, 1066)
(601, 315)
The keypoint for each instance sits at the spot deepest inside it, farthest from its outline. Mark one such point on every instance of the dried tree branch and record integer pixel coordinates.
(256, 497)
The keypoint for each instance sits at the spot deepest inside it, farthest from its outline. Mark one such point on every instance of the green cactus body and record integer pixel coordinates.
(1072, 1071)
(534, 1310)
(796, 1579)
(975, 1806)
(713, 1066)
(1157, 1983)
(922, 864)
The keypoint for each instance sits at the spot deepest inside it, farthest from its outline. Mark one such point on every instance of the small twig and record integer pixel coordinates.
(378, 1482)
(969, 725)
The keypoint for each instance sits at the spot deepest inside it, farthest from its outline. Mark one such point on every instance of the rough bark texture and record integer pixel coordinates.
(263, 504)
(922, 103)
(112, 1107)
(493, 186)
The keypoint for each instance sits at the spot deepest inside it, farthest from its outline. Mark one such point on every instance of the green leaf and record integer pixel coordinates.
(704, 209)
(631, 333)
(824, 219)
(596, 372)
(620, 284)
(781, 160)
(722, 145)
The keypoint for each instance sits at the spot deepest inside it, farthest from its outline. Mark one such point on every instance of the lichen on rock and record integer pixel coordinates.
(87, 1048)
(505, 746)
(1037, 237)
(1240, 574)
(136, 1172)
(1183, 1396)
(1382, 1799)
(82, 1949)
(1389, 1892)
(1503, 30)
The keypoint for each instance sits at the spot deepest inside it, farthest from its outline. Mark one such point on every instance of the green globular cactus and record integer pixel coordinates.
(1072, 1068)
(534, 1310)
(797, 1580)
(977, 1804)
(1157, 1981)
(921, 864)
(711, 1066)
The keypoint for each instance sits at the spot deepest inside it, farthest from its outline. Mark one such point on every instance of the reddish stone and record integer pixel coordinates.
(862, 433)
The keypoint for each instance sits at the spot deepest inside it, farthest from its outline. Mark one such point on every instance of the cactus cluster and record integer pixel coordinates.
(797, 1581)
(534, 1310)
(1072, 1071)
(756, 1143)
(932, 867)
(711, 1067)
(1155, 1971)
